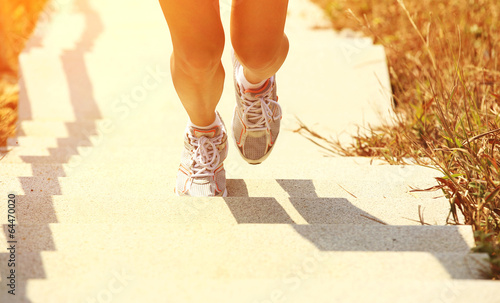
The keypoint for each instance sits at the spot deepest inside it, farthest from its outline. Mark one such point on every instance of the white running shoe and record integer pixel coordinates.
(201, 172)
(256, 119)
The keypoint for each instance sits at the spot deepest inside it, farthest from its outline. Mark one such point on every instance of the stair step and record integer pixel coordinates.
(96, 132)
(33, 132)
(184, 264)
(70, 128)
(148, 158)
(298, 287)
(146, 140)
(325, 237)
(161, 206)
(99, 93)
(60, 129)
(133, 138)
(99, 155)
(103, 180)
(214, 251)
(157, 118)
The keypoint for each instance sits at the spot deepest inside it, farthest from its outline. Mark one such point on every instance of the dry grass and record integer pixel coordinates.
(17, 22)
(9, 96)
(444, 60)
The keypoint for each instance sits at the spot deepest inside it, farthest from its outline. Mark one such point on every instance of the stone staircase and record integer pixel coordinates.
(93, 169)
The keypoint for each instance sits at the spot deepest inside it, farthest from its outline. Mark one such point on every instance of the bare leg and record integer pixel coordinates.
(198, 41)
(257, 36)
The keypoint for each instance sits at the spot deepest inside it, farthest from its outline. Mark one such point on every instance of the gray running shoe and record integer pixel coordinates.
(201, 172)
(256, 119)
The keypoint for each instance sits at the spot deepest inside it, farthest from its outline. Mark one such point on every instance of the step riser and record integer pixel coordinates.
(377, 181)
(231, 210)
(277, 166)
(103, 181)
(298, 287)
(233, 263)
(267, 237)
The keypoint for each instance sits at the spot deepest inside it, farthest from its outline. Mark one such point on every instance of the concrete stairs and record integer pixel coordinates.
(93, 174)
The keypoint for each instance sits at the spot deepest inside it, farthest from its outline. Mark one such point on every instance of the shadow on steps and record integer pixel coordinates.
(300, 192)
(355, 229)
(30, 266)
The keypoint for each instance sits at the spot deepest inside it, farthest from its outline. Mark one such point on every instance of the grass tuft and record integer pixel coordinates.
(17, 21)
(444, 60)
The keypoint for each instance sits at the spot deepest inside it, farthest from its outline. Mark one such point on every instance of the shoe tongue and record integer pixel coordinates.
(198, 133)
(259, 91)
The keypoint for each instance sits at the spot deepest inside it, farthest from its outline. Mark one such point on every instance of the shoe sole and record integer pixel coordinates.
(253, 161)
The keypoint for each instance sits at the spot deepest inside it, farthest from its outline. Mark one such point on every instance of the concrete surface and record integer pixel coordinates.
(99, 140)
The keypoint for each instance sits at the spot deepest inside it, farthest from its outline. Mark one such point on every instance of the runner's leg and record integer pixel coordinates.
(198, 41)
(257, 36)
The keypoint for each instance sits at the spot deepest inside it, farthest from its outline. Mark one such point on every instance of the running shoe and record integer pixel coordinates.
(201, 172)
(256, 119)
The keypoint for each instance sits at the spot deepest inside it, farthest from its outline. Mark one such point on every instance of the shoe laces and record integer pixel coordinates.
(257, 112)
(206, 156)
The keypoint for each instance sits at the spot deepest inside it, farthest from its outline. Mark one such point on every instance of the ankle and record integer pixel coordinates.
(249, 82)
(207, 122)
